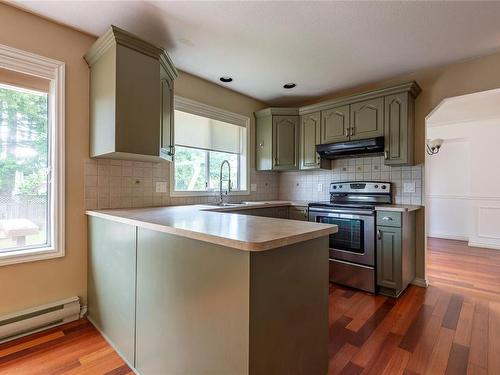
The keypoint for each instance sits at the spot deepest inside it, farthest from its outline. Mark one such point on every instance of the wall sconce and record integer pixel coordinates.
(433, 146)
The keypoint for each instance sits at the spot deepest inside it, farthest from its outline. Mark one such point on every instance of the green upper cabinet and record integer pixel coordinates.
(125, 99)
(277, 139)
(367, 119)
(335, 125)
(399, 129)
(167, 77)
(310, 129)
(285, 142)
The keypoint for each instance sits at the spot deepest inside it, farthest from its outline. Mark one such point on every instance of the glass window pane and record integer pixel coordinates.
(24, 188)
(190, 169)
(216, 159)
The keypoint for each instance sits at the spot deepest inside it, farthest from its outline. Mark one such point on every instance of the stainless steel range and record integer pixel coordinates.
(352, 248)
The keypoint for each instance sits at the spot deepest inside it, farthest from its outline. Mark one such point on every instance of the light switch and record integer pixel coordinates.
(409, 187)
(161, 187)
(253, 187)
(320, 187)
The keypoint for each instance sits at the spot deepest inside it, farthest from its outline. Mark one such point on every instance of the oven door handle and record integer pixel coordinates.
(344, 212)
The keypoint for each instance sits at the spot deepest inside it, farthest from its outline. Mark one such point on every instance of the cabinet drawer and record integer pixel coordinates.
(389, 219)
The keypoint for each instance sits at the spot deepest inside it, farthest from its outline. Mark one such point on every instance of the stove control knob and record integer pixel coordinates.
(334, 187)
(384, 187)
(340, 186)
(376, 186)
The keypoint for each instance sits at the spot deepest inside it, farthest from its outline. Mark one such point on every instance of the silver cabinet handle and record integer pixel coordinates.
(386, 154)
(353, 129)
(379, 234)
(347, 132)
(387, 218)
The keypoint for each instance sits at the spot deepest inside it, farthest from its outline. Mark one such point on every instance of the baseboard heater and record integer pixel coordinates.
(36, 319)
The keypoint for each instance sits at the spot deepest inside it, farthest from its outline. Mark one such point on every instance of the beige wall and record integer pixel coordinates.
(31, 284)
(437, 84)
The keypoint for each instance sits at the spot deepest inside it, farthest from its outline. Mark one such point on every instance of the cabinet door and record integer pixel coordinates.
(389, 265)
(298, 213)
(367, 119)
(310, 129)
(264, 143)
(285, 142)
(166, 116)
(281, 212)
(111, 282)
(396, 129)
(335, 125)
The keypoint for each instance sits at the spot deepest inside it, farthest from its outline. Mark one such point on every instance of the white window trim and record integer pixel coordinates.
(205, 110)
(53, 70)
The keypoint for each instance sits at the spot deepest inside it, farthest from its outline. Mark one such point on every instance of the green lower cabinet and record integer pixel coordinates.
(395, 251)
(389, 257)
(298, 213)
(111, 283)
(192, 306)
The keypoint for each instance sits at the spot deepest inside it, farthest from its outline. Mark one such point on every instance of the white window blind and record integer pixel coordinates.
(208, 134)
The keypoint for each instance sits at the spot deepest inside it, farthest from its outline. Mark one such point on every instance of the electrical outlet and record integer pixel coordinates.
(320, 187)
(409, 187)
(253, 187)
(161, 187)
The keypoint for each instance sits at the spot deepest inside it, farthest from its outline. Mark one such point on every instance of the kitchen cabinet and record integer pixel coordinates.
(395, 251)
(335, 125)
(399, 129)
(111, 283)
(310, 136)
(277, 139)
(367, 119)
(167, 148)
(280, 212)
(310, 129)
(131, 94)
(285, 142)
(298, 213)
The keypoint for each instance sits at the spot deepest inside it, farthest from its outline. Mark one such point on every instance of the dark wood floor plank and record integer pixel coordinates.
(458, 360)
(416, 330)
(351, 369)
(478, 353)
(450, 319)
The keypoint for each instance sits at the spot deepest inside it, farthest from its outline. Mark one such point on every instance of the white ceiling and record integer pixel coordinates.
(322, 46)
(474, 107)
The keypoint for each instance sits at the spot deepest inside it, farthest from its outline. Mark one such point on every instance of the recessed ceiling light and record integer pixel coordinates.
(290, 85)
(226, 79)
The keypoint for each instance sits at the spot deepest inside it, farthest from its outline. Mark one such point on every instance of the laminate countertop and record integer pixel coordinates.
(218, 225)
(398, 207)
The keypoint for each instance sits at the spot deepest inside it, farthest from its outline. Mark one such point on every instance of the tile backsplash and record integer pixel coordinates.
(314, 185)
(122, 184)
(113, 183)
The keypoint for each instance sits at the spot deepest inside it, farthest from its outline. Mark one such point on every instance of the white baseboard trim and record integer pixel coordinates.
(418, 281)
(484, 245)
(448, 236)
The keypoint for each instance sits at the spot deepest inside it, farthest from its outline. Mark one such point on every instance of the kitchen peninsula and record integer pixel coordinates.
(196, 290)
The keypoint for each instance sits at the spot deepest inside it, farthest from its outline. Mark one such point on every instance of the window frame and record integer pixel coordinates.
(54, 71)
(200, 109)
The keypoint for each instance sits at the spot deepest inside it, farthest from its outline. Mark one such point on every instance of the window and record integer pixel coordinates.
(204, 138)
(31, 157)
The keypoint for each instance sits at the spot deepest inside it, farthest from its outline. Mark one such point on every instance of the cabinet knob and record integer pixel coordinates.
(386, 154)
(261, 144)
(387, 218)
(347, 132)
(352, 131)
(379, 234)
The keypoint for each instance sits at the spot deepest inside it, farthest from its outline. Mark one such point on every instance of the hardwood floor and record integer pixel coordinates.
(452, 327)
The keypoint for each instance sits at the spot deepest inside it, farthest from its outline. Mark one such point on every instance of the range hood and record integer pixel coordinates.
(351, 148)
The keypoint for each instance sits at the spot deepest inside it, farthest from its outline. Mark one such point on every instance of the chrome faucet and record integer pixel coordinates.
(221, 200)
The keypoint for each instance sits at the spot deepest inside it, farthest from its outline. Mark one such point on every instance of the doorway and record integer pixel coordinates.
(462, 194)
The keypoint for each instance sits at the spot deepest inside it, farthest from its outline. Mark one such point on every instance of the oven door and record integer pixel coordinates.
(355, 239)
